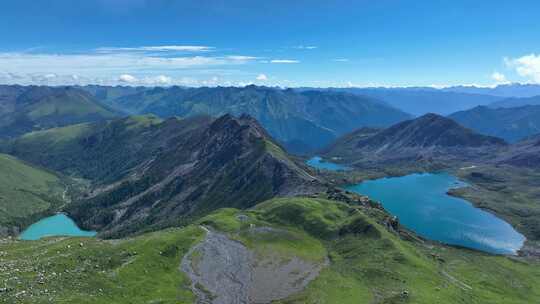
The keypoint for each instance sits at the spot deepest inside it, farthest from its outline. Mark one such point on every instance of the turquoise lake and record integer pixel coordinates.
(56, 225)
(422, 204)
(319, 163)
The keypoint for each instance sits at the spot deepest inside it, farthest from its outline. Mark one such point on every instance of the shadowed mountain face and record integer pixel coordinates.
(149, 173)
(428, 137)
(525, 153)
(302, 121)
(25, 109)
(512, 124)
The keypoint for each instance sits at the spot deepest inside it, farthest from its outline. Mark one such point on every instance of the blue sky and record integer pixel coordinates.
(286, 43)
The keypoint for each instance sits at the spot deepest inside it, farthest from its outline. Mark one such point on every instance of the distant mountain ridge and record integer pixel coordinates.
(513, 102)
(27, 108)
(502, 90)
(421, 100)
(512, 124)
(302, 121)
(442, 101)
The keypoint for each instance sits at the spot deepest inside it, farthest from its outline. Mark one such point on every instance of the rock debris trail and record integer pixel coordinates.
(224, 271)
(221, 266)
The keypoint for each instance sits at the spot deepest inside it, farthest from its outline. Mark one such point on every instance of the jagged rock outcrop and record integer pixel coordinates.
(227, 162)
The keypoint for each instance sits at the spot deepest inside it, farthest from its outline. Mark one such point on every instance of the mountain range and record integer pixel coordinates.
(148, 173)
(202, 208)
(419, 101)
(28, 108)
(513, 102)
(302, 121)
(510, 123)
(515, 90)
(444, 101)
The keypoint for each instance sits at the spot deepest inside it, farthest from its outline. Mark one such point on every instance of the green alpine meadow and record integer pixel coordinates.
(269, 152)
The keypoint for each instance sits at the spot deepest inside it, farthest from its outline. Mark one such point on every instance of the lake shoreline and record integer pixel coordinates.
(58, 225)
(446, 193)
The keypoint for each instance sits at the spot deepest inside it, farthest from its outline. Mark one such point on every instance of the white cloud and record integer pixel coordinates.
(158, 80)
(284, 61)
(122, 79)
(160, 48)
(262, 77)
(526, 66)
(305, 47)
(341, 60)
(49, 76)
(498, 77)
(214, 81)
(104, 68)
(127, 78)
(241, 58)
(62, 63)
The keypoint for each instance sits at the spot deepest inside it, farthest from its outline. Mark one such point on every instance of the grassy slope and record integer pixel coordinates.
(368, 264)
(25, 191)
(53, 107)
(57, 137)
(137, 270)
(38, 108)
(77, 150)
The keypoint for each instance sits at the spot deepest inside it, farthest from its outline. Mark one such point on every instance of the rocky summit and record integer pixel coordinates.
(172, 170)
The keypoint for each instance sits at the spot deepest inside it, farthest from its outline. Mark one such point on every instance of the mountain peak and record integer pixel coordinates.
(160, 172)
(430, 136)
(433, 130)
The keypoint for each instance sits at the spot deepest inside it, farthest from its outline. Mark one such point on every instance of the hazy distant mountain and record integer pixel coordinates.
(152, 173)
(512, 124)
(24, 109)
(419, 101)
(503, 90)
(429, 137)
(515, 102)
(302, 121)
(108, 94)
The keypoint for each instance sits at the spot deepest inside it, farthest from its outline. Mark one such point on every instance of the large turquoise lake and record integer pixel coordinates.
(56, 225)
(422, 204)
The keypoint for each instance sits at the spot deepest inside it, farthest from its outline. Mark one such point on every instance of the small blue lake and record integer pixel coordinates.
(421, 203)
(56, 225)
(319, 163)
